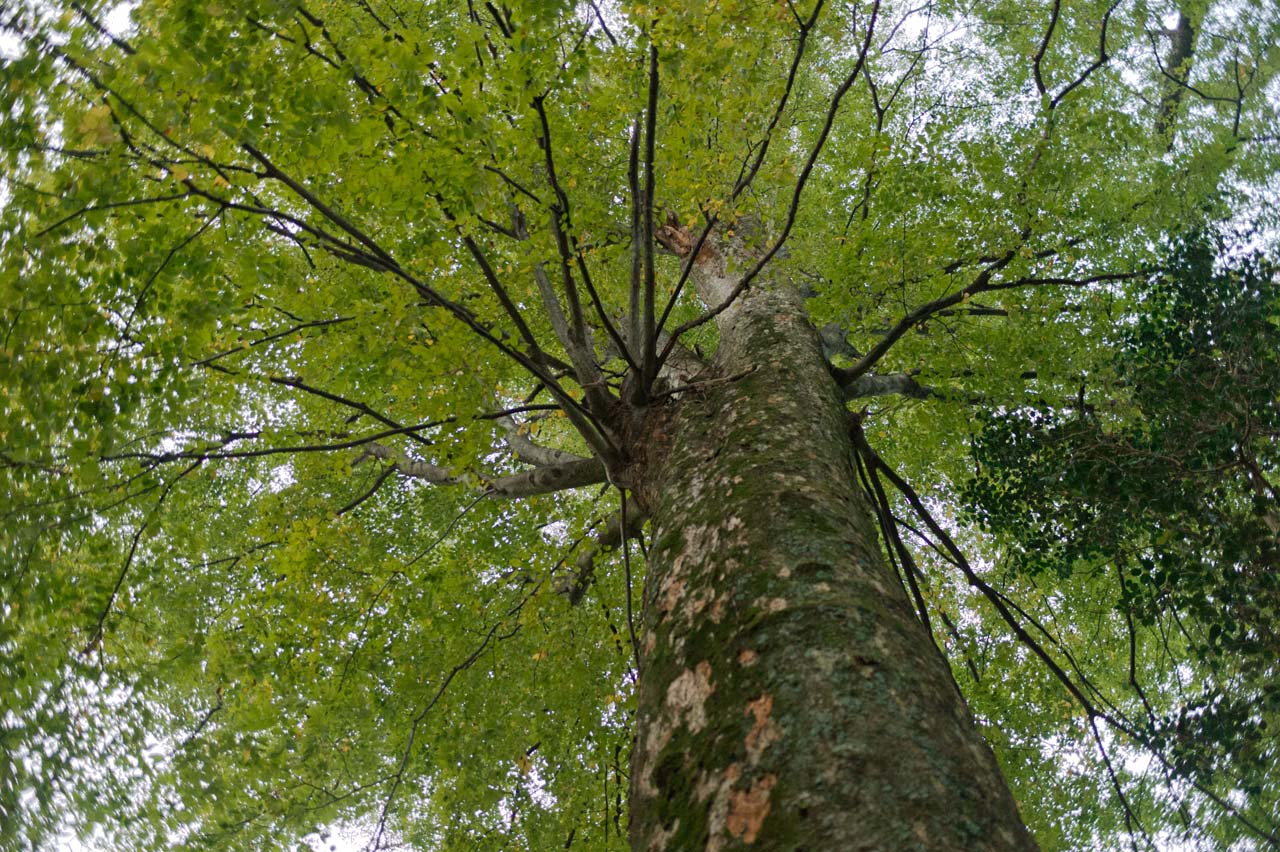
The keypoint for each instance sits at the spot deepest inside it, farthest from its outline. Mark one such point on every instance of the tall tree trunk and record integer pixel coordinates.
(789, 698)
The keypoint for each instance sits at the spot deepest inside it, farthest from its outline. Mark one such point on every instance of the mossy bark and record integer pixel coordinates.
(789, 698)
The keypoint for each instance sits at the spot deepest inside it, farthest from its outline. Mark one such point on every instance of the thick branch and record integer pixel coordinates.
(529, 451)
(1177, 67)
(539, 480)
(894, 383)
(574, 584)
(548, 480)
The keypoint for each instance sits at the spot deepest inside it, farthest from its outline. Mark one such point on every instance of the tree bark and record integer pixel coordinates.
(789, 698)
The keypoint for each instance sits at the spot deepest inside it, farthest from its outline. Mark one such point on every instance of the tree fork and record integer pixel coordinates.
(790, 699)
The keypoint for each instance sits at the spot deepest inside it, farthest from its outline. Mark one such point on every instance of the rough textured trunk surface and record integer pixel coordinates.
(789, 698)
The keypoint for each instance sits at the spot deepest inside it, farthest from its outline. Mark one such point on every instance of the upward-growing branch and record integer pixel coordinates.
(1177, 67)
(582, 417)
(650, 361)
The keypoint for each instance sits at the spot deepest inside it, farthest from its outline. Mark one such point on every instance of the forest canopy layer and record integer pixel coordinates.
(349, 350)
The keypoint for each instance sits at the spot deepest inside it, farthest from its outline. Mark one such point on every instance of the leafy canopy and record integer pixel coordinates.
(295, 294)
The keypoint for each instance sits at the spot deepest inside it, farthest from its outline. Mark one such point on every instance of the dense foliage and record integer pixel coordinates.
(295, 295)
(1152, 485)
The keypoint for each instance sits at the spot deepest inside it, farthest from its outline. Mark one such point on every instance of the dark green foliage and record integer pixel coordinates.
(1162, 474)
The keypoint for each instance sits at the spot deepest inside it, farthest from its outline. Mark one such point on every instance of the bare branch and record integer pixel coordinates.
(529, 451)
(1103, 59)
(548, 480)
(539, 480)
(382, 477)
(398, 778)
(571, 255)
(102, 29)
(635, 321)
(981, 284)
(613, 535)
(268, 338)
(749, 172)
(110, 205)
(1177, 68)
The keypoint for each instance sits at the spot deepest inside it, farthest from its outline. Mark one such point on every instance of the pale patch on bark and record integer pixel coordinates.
(717, 610)
(670, 593)
(741, 813)
(718, 816)
(882, 644)
(662, 836)
(824, 660)
(700, 600)
(687, 697)
(686, 704)
(748, 808)
(764, 731)
(770, 605)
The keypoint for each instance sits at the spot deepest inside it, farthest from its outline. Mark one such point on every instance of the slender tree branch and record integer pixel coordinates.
(744, 181)
(378, 482)
(98, 632)
(398, 778)
(269, 338)
(571, 255)
(981, 284)
(750, 172)
(636, 339)
(1036, 60)
(102, 29)
(583, 418)
(1103, 59)
(109, 205)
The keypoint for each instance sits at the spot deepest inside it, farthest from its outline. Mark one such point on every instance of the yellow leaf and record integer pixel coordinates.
(96, 128)
(179, 173)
